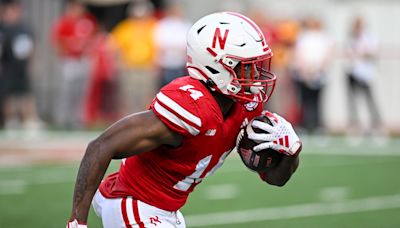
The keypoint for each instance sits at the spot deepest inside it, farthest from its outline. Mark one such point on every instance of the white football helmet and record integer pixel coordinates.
(223, 48)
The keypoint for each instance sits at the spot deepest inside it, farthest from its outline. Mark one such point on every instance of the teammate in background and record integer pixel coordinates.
(73, 33)
(101, 101)
(188, 131)
(361, 52)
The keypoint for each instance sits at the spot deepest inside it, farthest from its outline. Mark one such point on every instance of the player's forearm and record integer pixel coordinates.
(91, 171)
(282, 173)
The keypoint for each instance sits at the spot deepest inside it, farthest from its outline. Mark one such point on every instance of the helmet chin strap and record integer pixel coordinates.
(210, 83)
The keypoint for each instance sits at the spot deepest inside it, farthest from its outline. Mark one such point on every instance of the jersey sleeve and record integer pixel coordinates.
(176, 109)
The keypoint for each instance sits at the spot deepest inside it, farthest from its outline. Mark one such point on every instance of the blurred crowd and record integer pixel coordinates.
(110, 71)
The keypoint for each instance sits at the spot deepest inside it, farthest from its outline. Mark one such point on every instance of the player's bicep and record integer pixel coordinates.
(137, 133)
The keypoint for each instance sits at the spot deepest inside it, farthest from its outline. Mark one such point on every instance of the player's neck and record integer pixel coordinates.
(224, 102)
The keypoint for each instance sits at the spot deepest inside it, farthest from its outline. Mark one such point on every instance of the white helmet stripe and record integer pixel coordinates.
(258, 30)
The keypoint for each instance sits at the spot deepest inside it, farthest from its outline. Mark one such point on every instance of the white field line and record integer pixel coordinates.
(12, 187)
(220, 192)
(294, 211)
(18, 186)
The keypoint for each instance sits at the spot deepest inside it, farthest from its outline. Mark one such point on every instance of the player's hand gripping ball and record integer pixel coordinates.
(259, 161)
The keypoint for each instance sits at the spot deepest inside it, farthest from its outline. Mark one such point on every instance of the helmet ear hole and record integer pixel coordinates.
(201, 28)
(212, 70)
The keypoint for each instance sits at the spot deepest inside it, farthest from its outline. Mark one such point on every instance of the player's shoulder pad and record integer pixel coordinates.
(178, 105)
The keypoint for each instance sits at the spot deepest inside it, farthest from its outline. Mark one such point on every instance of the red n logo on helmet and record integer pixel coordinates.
(221, 40)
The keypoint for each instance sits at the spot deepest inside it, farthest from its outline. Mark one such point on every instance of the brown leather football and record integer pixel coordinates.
(257, 161)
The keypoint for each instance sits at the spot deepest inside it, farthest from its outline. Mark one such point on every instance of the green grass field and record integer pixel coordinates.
(336, 185)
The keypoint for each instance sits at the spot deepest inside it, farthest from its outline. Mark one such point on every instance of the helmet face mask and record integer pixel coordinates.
(252, 79)
(229, 50)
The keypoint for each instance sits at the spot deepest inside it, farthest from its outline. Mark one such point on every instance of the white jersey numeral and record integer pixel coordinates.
(194, 178)
(195, 94)
(185, 184)
(219, 164)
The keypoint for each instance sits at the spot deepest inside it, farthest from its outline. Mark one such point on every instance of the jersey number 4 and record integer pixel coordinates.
(195, 94)
(201, 166)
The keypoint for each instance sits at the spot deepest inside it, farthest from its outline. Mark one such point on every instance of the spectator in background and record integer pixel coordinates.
(286, 31)
(101, 103)
(2, 92)
(134, 38)
(312, 53)
(16, 50)
(73, 34)
(170, 42)
(361, 52)
(281, 34)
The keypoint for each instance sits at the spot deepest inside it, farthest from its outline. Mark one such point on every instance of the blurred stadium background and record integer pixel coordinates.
(344, 180)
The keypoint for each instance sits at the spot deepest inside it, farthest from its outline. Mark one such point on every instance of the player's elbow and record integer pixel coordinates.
(97, 148)
(92, 147)
(273, 178)
(279, 182)
(279, 177)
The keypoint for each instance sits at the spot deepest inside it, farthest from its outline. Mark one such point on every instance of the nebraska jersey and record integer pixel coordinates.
(165, 176)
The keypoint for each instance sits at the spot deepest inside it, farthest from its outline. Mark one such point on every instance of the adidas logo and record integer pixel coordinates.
(211, 132)
(284, 141)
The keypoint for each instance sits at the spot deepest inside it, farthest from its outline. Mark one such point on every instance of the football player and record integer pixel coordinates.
(188, 131)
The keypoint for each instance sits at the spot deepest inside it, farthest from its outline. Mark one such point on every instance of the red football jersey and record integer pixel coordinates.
(165, 176)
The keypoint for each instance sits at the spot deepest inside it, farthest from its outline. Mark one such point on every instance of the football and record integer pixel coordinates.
(257, 161)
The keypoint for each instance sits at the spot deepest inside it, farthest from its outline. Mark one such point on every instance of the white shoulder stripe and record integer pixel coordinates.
(174, 119)
(178, 109)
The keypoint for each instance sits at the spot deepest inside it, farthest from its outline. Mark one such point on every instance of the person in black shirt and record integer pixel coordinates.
(17, 48)
(1, 76)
